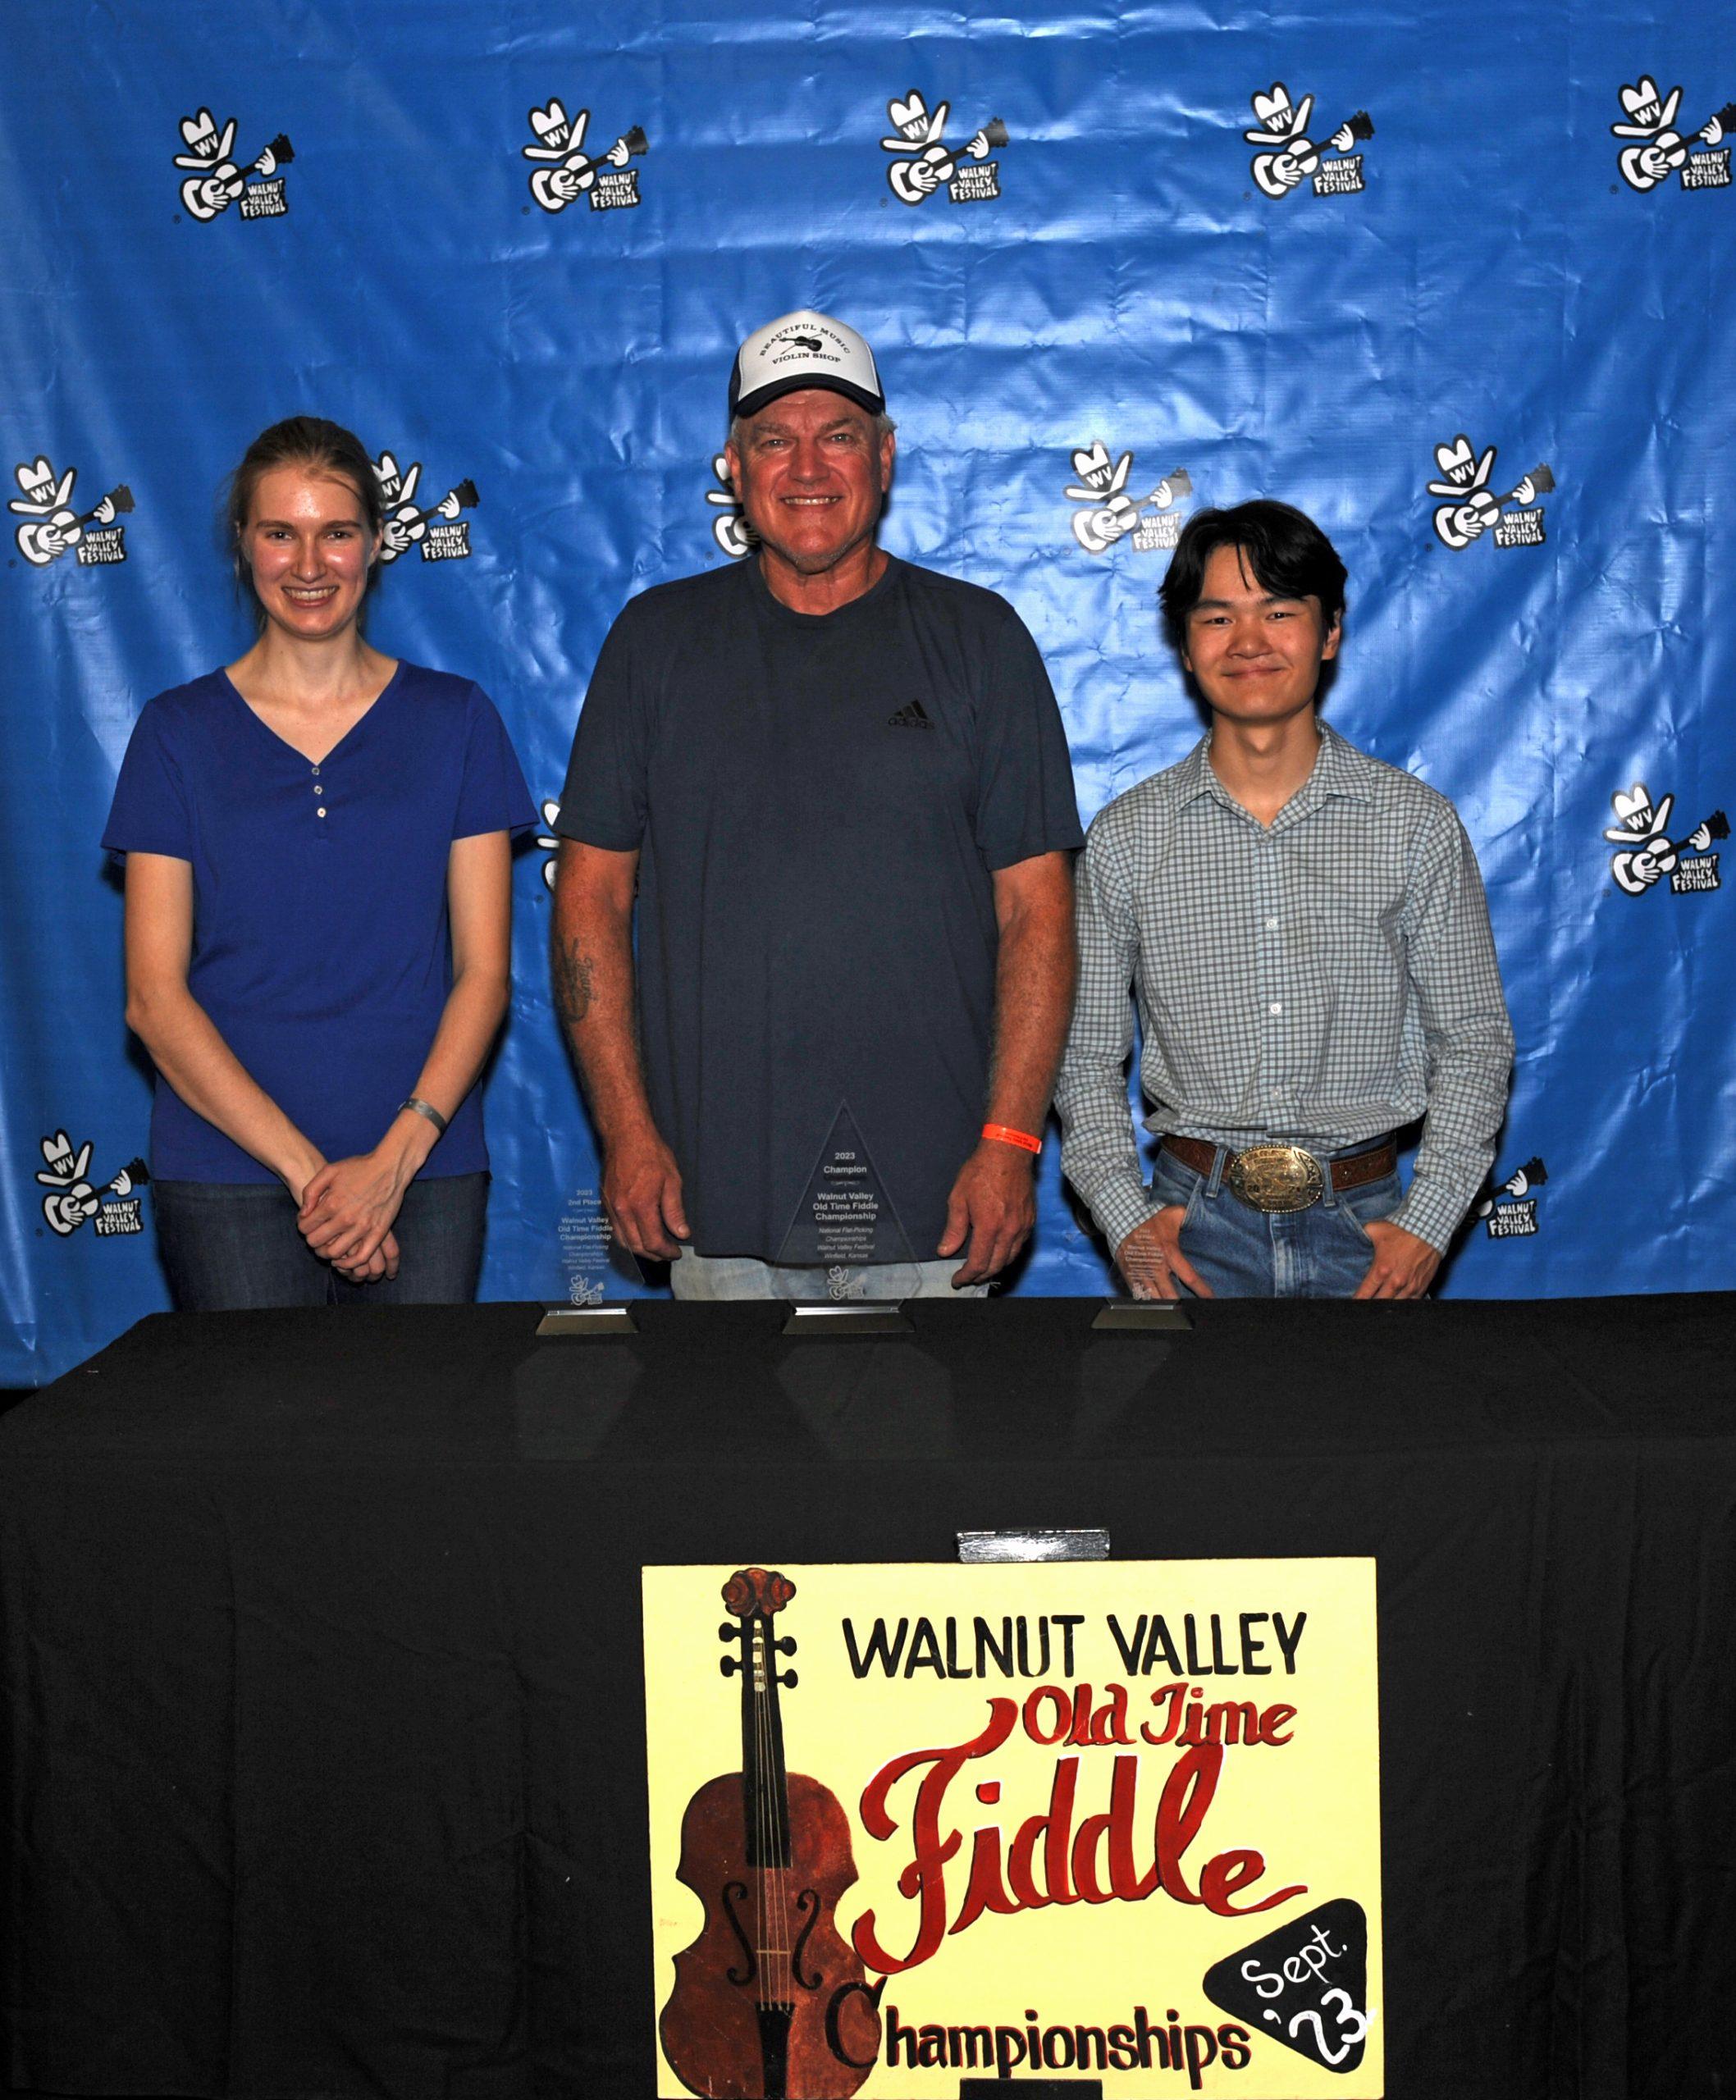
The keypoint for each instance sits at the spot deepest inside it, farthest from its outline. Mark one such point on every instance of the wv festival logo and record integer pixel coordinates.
(1288, 157)
(566, 172)
(1110, 513)
(1469, 507)
(216, 182)
(73, 1200)
(1510, 1212)
(1647, 853)
(438, 529)
(54, 527)
(926, 164)
(1656, 150)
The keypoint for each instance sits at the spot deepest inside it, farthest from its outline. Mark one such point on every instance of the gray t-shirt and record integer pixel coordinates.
(819, 803)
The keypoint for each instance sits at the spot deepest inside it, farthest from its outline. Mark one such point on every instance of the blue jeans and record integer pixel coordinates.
(1240, 1251)
(233, 1246)
(708, 1277)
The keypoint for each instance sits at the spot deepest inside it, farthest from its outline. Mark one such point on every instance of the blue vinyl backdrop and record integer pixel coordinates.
(1456, 278)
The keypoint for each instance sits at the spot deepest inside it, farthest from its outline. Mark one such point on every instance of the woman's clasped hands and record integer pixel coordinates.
(346, 1215)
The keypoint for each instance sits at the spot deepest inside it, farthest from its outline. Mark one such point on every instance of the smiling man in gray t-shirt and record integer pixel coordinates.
(841, 787)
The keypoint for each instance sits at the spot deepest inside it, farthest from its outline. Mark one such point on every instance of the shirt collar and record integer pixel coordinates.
(1340, 769)
(1196, 778)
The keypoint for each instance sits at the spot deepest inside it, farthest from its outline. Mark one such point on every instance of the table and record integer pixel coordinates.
(325, 1747)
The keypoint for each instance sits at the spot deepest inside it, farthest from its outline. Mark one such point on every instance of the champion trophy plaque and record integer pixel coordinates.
(846, 1223)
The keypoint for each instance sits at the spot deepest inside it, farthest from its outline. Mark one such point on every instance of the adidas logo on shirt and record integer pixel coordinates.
(913, 717)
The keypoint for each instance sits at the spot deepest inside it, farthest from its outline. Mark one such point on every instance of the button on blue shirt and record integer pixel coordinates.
(321, 949)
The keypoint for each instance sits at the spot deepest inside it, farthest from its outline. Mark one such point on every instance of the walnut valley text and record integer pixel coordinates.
(1214, 1643)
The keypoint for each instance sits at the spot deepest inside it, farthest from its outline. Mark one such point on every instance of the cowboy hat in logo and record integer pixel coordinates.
(72, 1200)
(566, 171)
(1510, 1212)
(216, 182)
(440, 533)
(1289, 156)
(1647, 852)
(1469, 506)
(53, 527)
(927, 161)
(1111, 514)
(1657, 150)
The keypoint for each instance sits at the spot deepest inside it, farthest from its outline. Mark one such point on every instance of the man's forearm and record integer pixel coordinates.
(1098, 1154)
(1467, 1101)
(1036, 971)
(1467, 1034)
(591, 962)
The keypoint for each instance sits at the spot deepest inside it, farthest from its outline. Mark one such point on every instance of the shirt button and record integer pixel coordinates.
(320, 813)
(316, 770)
(319, 791)
(1271, 924)
(1276, 1007)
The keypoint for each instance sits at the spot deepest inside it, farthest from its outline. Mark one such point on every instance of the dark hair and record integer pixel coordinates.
(1289, 554)
(310, 441)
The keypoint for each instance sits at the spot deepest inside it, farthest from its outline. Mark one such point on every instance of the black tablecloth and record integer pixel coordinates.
(325, 1742)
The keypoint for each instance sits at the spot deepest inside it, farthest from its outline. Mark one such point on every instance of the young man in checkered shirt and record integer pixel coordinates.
(1305, 932)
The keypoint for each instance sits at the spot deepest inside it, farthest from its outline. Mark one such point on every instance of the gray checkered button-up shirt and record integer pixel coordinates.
(1317, 982)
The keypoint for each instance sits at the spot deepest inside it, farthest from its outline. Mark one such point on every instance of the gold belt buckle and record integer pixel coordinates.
(1277, 1177)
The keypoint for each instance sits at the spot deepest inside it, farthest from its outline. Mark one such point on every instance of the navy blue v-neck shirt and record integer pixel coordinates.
(321, 949)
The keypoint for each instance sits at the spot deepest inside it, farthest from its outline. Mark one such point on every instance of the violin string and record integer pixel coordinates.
(762, 1934)
(774, 1832)
(769, 1890)
(780, 1835)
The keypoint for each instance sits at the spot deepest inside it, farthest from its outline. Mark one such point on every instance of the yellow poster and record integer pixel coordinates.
(1089, 1826)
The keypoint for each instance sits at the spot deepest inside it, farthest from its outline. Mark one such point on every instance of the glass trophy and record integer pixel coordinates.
(587, 1249)
(595, 1265)
(846, 1219)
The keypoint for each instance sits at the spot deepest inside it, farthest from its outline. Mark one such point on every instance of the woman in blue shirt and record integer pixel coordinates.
(318, 921)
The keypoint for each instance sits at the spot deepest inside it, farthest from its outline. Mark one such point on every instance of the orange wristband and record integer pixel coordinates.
(1022, 1139)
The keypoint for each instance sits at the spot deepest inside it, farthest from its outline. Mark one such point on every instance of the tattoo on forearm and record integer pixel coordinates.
(574, 977)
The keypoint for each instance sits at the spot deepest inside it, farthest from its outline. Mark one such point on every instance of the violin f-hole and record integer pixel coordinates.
(808, 1903)
(734, 1893)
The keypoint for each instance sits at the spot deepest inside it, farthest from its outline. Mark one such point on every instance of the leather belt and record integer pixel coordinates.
(1285, 1177)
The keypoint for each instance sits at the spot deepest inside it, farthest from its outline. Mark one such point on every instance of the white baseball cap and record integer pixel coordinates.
(800, 350)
